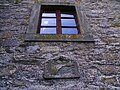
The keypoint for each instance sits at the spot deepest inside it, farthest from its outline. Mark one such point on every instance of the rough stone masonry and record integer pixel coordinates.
(22, 63)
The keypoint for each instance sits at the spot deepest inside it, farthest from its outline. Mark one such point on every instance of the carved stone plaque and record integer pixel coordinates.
(61, 67)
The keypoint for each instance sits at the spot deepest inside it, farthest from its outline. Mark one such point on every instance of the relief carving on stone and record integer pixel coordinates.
(61, 67)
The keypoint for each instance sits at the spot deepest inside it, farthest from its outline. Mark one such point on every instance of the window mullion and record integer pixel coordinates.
(58, 21)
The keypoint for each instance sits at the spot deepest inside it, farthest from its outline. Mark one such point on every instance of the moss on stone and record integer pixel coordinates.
(17, 1)
(117, 24)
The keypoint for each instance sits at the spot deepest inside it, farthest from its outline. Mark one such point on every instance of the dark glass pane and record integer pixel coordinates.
(48, 22)
(68, 22)
(69, 31)
(48, 31)
(48, 14)
(66, 15)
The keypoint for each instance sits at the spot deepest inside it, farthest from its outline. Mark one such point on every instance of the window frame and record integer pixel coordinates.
(58, 10)
(32, 35)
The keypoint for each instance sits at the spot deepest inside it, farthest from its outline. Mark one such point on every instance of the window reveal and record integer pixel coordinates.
(58, 20)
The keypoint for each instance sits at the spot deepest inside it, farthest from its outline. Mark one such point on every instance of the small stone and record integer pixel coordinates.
(117, 24)
(8, 70)
(32, 49)
(50, 48)
(109, 80)
(11, 42)
(109, 56)
(10, 50)
(108, 69)
(104, 25)
(18, 82)
(2, 50)
(5, 58)
(97, 11)
(47, 56)
(17, 1)
(93, 15)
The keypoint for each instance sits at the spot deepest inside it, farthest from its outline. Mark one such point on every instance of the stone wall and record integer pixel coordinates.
(22, 63)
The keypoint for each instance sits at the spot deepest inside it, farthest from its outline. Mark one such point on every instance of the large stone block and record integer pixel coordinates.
(61, 67)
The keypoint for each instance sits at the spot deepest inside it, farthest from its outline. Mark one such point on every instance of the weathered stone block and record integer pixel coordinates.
(8, 70)
(117, 24)
(61, 67)
(109, 80)
(108, 69)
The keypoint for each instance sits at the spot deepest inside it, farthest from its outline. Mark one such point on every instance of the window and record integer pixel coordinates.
(58, 20)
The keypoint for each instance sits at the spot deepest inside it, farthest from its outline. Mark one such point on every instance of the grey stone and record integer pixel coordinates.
(7, 70)
(5, 58)
(18, 83)
(32, 49)
(2, 50)
(10, 42)
(61, 67)
(109, 80)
